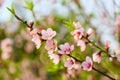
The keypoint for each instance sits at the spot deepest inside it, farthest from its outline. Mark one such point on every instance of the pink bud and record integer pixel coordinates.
(31, 24)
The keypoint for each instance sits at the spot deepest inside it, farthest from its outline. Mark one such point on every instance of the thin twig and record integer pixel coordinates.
(24, 22)
(95, 44)
(93, 68)
(103, 73)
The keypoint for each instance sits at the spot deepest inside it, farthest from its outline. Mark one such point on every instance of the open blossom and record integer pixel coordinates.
(97, 57)
(66, 48)
(6, 48)
(35, 38)
(75, 70)
(87, 65)
(69, 63)
(78, 32)
(77, 25)
(55, 57)
(82, 45)
(89, 31)
(37, 41)
(51, 46)
(48, 34)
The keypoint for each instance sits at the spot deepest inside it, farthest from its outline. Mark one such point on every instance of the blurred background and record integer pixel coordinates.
(20, 60)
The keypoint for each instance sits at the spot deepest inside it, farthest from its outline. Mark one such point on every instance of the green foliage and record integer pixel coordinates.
(29, 5)
(69, 25)
(11, 9)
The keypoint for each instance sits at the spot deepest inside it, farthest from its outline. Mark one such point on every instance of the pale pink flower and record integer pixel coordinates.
(97, 57)
(51, 46)
(107, 44)
(5, 55)
(55, 57)
(69, 63)
(87, 65)
(37, 41)
(35, 38)
(6, 43)
(6, 46)
(82, 45)
(75, 70)
(77, 25)
(77, 34)
(33, 32)
(29, 47)
(89, 31)
(66, 48)
(48, 34)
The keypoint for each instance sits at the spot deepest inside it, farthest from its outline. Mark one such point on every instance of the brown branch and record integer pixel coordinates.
(93, 68)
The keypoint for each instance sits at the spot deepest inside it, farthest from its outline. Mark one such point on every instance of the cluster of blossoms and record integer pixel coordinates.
(6, 48)
(55, 52)
(80, 37)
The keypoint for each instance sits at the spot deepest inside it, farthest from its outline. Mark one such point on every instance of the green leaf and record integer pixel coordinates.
(29, 4)
(11, 9)
(69, 25)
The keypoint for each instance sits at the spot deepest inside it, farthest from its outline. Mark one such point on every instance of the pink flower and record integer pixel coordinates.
(69, 63)
(48, 34)
(75, 70)
(87, 65)
(82, 45)
(35, 38)
(33, 32)
(51, 46)
(97, 57)
(77, 34)
(6, 43)
(77, 25)
(66, 48)
(5, 55)
(6, 48)
(89, 31)
(37, 41)
(55, 57)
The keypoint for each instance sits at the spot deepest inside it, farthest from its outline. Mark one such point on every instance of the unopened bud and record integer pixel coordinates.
(31, 24)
